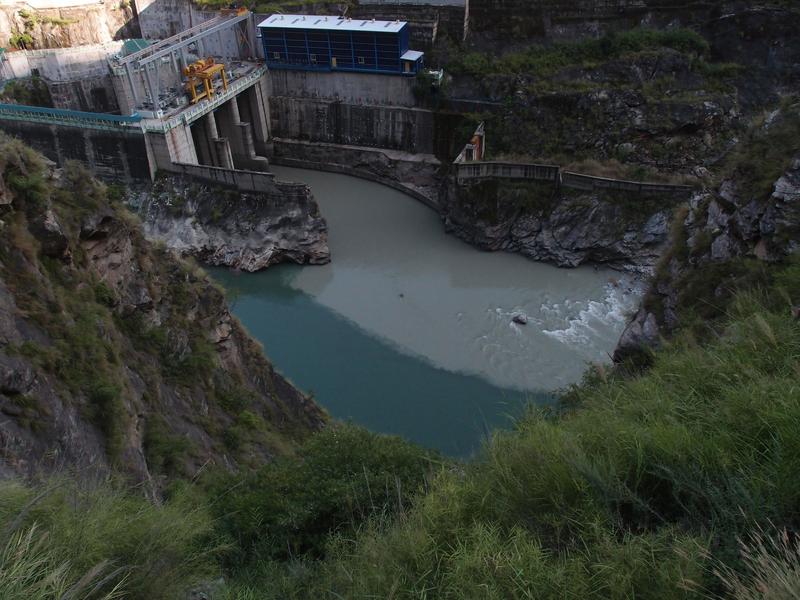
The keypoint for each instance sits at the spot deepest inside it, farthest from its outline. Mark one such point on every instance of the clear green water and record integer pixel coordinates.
(409, 330)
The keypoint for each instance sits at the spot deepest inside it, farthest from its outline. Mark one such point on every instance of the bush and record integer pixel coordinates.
(545, 61)
(340, 477)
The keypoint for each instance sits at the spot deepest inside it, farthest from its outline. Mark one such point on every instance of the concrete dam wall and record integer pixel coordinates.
(396, 128)
(116, 156)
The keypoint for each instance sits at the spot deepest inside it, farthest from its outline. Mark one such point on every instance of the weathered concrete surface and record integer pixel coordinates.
(112, 156)
(413, 174)
(352, 88)
(247, 231)
(396, 128)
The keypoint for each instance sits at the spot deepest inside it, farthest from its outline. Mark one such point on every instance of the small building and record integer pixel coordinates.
(327, 43)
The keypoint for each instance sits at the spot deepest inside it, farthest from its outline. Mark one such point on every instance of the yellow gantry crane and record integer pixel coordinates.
(202, 72)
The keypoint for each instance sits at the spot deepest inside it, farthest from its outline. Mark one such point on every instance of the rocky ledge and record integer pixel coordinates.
(562, 227)
(246, 231)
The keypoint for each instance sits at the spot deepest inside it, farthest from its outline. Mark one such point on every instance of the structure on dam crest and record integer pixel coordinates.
(159, 126)
(325, 43)
(206, 97)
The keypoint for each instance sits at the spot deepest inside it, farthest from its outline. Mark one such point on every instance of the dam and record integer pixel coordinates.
(408, 331)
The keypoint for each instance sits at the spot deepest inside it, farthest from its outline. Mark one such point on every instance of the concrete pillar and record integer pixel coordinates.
(158, 155)
(221, 148)
(240, 136)
(257, 113)
(181, 145)
(131, 83)
(224, 155)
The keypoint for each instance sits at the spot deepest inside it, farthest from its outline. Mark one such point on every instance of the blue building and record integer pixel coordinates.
(326, 43)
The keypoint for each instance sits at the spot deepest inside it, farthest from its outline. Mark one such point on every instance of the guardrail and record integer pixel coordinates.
(467, 168)
(190, 115)
(70, 118)
(591, 183)
(507, 170)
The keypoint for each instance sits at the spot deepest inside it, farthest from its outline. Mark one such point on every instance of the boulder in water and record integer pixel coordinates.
(520, 319)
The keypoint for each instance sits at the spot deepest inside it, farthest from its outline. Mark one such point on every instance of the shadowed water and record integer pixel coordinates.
(410, 330)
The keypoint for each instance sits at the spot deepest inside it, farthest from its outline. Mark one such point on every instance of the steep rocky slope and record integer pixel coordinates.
(90, 23)
(727, 233)
(241, 230)
(561, 226)
(113, 353)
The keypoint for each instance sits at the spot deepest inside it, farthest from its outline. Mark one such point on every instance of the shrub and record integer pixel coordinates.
(163, 449)
(339, 477)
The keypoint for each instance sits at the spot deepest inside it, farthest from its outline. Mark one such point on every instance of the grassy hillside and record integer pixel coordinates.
(114, 354)
(678, 483)
(642, 489)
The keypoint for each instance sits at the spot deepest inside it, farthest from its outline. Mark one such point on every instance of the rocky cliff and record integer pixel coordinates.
(561, 226)
(727, 234)
(90, 23)
(246, 231)
(114, 354)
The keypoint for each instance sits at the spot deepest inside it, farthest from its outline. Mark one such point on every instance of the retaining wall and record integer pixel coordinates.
(116, 156)
(354, 88)
(415, 175)
(396, 128)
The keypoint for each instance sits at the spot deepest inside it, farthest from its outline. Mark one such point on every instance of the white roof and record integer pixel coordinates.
(330, 23)
(412, 55)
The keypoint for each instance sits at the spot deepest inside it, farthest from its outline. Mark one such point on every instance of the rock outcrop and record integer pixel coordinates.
(68, 26)
(246, 231)
(115, 354)
(720, 230)
(563, 227)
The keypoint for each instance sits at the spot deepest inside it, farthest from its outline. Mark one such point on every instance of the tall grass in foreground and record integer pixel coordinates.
(772, 568)
(636, 493)
(31, 570)
(88, 541)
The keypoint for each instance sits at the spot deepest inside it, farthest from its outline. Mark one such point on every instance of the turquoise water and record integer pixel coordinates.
(359, 377)
(410, 331)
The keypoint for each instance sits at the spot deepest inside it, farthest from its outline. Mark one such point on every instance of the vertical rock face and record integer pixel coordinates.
(241, 230)
(114, 354)
(83, 23)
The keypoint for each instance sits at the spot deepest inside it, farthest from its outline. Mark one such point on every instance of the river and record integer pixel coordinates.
(409, 330)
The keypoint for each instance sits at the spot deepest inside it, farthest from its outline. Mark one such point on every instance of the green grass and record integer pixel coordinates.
(546, 61)
(92, 536)
(678, 482)
(766, 150)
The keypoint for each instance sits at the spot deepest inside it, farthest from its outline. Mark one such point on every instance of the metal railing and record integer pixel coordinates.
(486, 169)
(70, 118)
(467, 168)
(190, 115)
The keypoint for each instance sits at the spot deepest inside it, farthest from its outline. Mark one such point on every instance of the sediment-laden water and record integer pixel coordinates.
(411, 331)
